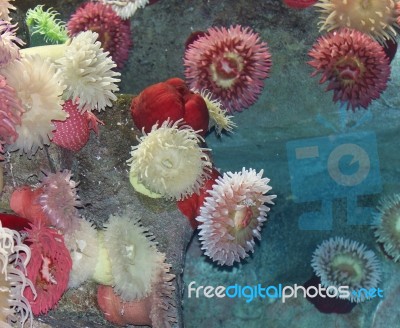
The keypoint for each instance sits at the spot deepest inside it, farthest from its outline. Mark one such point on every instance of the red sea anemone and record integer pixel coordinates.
(231, 63)
(48, 268)
(299, 4)
(114, 32)
(169, 100)
(354, 64)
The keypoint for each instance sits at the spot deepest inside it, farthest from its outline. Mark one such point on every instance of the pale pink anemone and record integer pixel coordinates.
(9, 43)
(233, 215)
(5, 8)
(230, 63)
(11, 110)
(48, 269)
(354, 65)
(59, 200)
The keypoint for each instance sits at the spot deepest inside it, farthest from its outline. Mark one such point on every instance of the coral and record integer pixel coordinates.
(126, 8)
(114, 32)
(14, 257)
(354, 64)
(59, 200)
(82, 244)
(169, 100)
(233, 215)
(9, 43)
(74, 132)
(39, 86)
(87, 71)
(169, 160)
(387, 226)
(374, 17)
(48, 268)
(11, 110)
(5, 7)
(155, 310)
(46, 24)
(343, 262)
(133, 256)
(231, 63)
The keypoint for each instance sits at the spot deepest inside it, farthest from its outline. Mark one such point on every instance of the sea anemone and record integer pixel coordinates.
(299, 4)
(9, 43)
(354, 64)
(82, 244)
(59, 200)
(344, 262)
(87, 71)
(48, 268)
(233, 215)
(231, 63)
(219, 118)
(156, 310)
(114, 32)
(11, 110)
(39, 86)
(171, 100)
(125, 8)
(5, 7)
(374, 17)
(14, 257)
(387, 228)
(169, 160)
(45, 23)
(133, 256)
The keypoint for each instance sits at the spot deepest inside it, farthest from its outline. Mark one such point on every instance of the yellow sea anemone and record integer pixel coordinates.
(169, 161)
(133, 256)
(387, 229)
(374, 17)
(39, 86)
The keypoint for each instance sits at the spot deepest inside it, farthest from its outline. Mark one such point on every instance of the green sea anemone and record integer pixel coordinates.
(45, 23)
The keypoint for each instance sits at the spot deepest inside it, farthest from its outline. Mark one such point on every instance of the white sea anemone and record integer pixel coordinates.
(9, 43)
(233, 215)
(82, 243)
(14, 256)
(5, 8)
(87, 71)
(125, 8)
(133, 256)
(39, 86)
(344, 262)
(387, 228)
(169, 161)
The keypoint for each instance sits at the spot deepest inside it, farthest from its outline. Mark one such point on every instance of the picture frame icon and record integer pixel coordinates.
(337, 166)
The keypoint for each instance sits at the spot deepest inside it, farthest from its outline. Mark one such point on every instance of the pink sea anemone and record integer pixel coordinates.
(354, 64)
(114, 32)
(344, 262)
(9, 43)
(11, 110)
(233, 215)
(48, 268)
(59, 200)
(230, 63)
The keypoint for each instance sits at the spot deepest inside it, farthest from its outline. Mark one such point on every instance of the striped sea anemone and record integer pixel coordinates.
(233, 215)
(14, 257)
(344, 262)
(374, 17)
(387, 228)
(229, 62)
(88, 72)
(114, 32)
(133, 256)
(38, 85)
(169, 161)
(9, 43)
(355, 66)
(59, 200)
